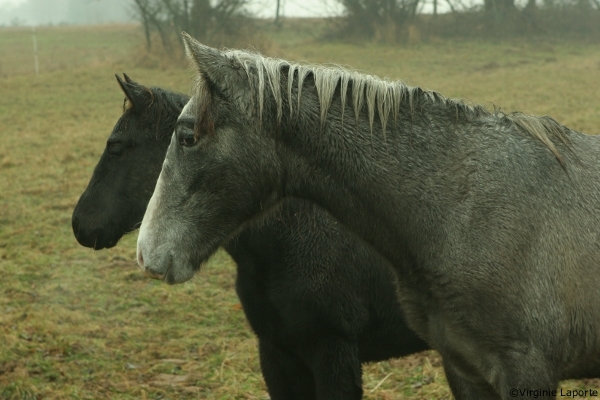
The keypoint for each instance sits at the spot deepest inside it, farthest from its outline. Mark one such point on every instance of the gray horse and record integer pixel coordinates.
(491, 220)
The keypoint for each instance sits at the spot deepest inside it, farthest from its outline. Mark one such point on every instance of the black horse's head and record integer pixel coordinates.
(115, 200)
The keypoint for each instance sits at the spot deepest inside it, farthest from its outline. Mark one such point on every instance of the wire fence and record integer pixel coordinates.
(41, 50)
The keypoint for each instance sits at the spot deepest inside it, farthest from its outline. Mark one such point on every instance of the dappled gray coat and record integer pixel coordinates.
(491, 220)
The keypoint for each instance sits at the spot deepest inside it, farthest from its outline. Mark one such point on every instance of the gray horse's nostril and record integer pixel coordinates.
(140, 259)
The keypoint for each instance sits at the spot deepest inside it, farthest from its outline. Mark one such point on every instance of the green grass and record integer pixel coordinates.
(65, 47)
(75, 323)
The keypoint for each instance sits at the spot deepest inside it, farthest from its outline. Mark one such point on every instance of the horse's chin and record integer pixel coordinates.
(180, 275)
(109, 244)
(97, 243)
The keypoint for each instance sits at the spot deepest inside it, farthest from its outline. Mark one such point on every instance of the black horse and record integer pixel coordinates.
(320, 301)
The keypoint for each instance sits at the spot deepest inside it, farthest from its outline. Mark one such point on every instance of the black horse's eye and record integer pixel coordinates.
(115, 149)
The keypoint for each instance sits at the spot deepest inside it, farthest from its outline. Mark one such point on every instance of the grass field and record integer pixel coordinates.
(75, 323)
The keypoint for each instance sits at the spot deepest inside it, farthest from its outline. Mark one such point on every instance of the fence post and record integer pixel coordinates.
(36, 63)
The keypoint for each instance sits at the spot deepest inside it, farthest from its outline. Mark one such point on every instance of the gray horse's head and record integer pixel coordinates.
(234, 146)
(218, 174)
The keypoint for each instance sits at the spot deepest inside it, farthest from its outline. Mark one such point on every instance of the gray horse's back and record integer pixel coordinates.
(524, 245)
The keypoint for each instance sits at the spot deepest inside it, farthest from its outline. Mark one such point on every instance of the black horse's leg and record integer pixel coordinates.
(337, 370)
(470, 388)
(514, 377)
(286, 376)
(525, 372)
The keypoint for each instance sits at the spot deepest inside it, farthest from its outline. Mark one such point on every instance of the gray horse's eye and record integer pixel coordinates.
(188, 141)
(185, 136)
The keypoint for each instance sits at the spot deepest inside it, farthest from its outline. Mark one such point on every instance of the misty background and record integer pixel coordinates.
(81, 12)
(88, 12)
(231, 23)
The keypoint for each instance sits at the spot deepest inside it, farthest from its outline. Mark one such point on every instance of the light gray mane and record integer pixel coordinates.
(381, 95)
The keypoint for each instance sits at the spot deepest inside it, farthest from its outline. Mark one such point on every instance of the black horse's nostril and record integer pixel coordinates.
(94, 237)
(75, 225)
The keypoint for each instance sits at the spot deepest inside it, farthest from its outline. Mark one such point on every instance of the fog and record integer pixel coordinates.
(44, 12)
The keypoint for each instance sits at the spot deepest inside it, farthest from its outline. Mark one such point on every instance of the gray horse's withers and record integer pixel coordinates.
(490, 220)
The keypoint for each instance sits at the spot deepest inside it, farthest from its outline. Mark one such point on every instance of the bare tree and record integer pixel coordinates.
(150, 12)
(277, 12)
(369, 17)
(500, 10)
(203, 19)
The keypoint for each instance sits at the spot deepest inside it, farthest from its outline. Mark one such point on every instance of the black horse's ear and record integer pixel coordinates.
(136, 94)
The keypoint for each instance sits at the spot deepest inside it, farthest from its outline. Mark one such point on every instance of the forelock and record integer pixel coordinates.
(203, 107)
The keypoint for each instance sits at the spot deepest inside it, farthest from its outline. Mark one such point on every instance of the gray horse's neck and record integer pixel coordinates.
(359, 175)
(421, 180)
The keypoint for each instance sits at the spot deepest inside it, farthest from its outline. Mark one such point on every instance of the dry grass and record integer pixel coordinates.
(75, 323)
(65, 47)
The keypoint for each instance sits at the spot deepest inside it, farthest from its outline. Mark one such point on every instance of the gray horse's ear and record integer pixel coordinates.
(137, 95)
(209, 62)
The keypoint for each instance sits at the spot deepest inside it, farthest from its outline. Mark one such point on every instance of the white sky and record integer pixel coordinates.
(326, 8)
(296, 8)
(11, 2)
(266, 8)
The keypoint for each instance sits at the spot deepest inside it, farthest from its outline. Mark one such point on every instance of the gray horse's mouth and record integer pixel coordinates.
(155, 275)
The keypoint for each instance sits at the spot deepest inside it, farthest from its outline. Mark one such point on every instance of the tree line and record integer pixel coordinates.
(213, 21)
